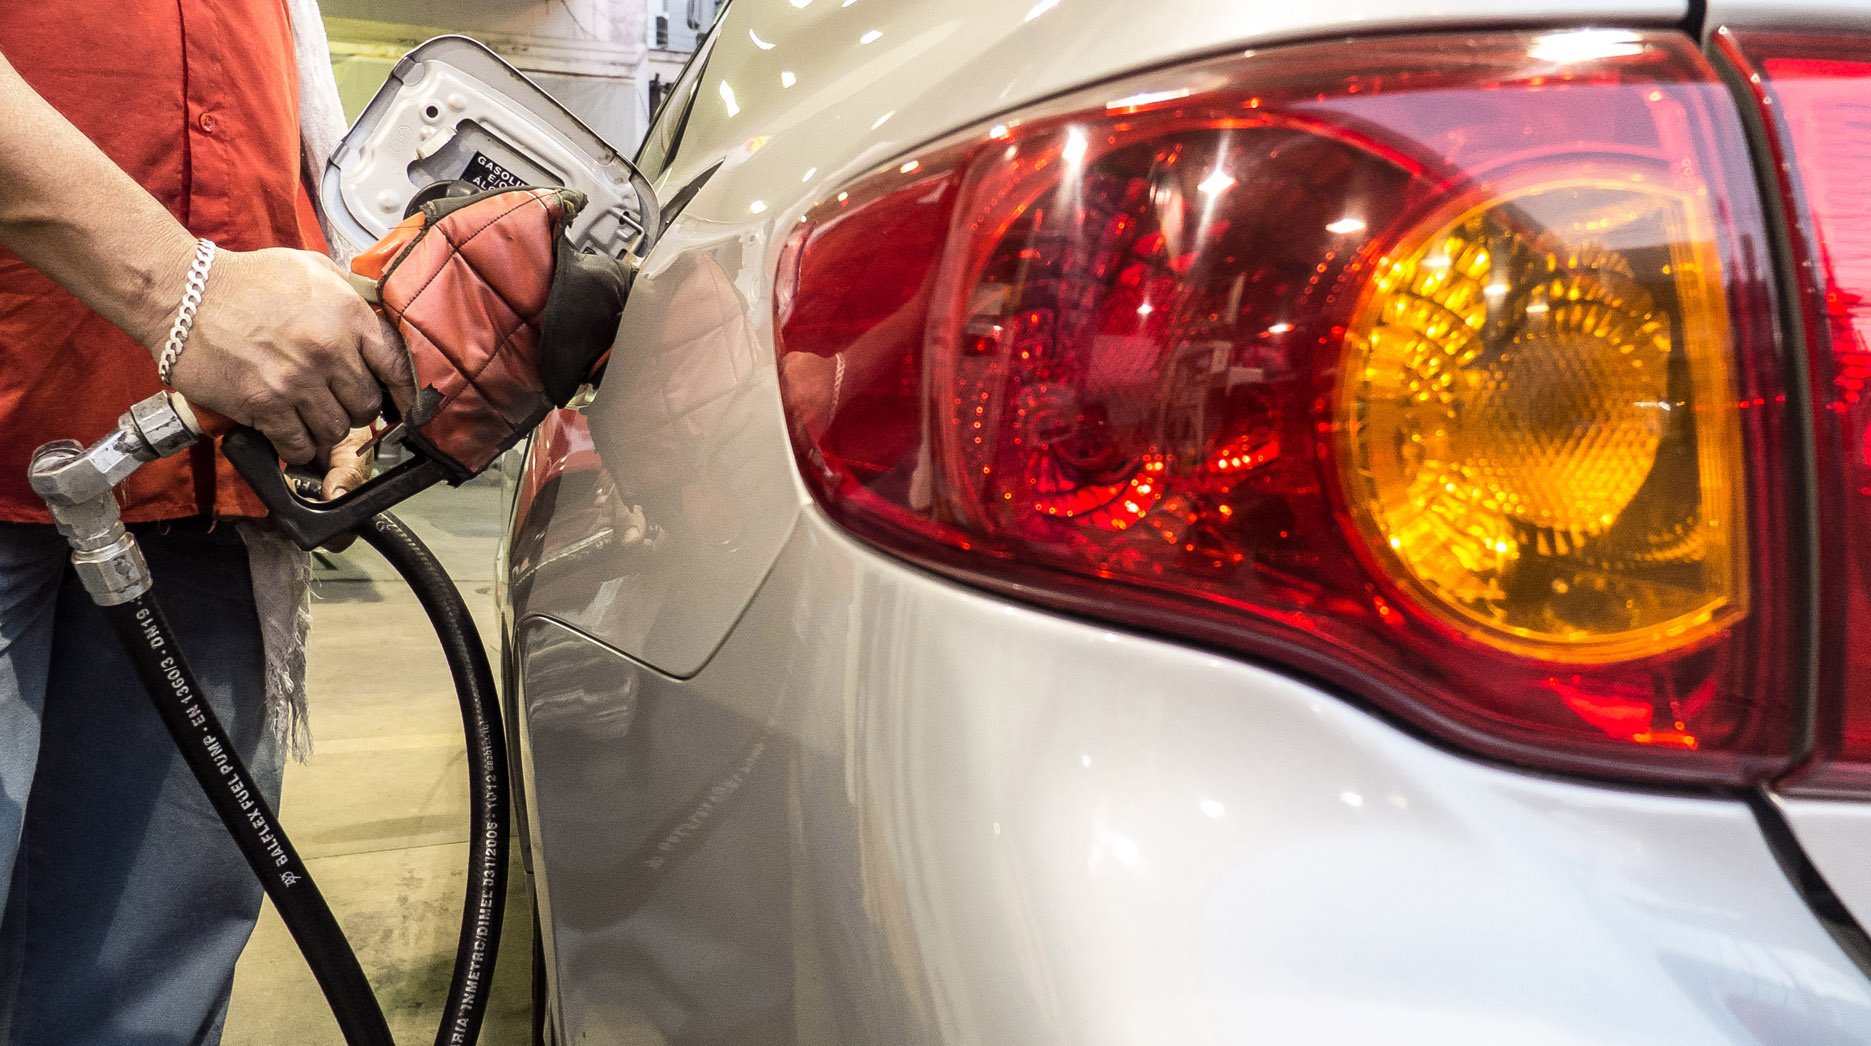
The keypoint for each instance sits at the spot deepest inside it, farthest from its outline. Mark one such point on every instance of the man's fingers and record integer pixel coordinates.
(323, 418)
(360, 387)
(384, 354)
(358, 394)
(349, 378)
(288, 437)
(344, 478)
(320, 416)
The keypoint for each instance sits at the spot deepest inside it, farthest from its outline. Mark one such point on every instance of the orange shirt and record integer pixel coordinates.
(198, 101)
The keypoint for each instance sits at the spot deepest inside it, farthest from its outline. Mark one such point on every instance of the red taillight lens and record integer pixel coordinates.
(1443, 369)
(1816, 98)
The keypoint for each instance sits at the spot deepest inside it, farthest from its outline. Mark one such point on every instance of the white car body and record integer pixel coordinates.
(870, 805)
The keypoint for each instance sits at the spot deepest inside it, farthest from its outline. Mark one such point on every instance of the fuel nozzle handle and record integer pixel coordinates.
(313, 523)
(310, 523)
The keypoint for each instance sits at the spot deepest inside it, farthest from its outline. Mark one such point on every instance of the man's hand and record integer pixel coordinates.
(284, 344)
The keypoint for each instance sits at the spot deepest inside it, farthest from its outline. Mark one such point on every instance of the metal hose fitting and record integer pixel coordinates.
(78, 485)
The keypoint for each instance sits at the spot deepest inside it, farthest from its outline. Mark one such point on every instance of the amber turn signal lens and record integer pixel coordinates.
(1539, 430)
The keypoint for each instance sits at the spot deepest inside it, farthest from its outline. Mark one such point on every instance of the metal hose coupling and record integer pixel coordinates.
(78, 485)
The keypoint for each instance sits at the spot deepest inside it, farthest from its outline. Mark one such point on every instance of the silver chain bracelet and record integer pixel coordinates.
(185, 316)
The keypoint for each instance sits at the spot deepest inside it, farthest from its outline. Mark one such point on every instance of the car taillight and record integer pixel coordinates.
(1815, 95)
(1443, 369)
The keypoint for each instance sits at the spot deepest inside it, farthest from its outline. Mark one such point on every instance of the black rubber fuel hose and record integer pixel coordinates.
(210, 755)
(487, 773)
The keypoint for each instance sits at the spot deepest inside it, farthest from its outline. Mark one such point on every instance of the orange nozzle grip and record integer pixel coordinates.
(378, 256)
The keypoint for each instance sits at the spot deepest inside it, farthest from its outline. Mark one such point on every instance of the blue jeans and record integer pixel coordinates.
(128, 904)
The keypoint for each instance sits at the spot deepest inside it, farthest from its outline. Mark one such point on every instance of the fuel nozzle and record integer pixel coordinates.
(78, 482)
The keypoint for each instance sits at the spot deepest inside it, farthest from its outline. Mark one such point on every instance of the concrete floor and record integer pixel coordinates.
(380, 812)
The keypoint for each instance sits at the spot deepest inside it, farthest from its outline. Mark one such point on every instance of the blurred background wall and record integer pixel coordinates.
(605, 60)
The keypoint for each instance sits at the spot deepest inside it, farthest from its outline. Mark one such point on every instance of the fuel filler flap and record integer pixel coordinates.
(453, 111)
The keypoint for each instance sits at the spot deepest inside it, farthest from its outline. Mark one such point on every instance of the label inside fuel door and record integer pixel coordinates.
(485, 173)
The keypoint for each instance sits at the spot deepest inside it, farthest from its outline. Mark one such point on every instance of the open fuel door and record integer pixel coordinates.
(453, 111)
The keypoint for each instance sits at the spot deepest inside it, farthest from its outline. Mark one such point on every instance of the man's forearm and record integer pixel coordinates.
(71, 213)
